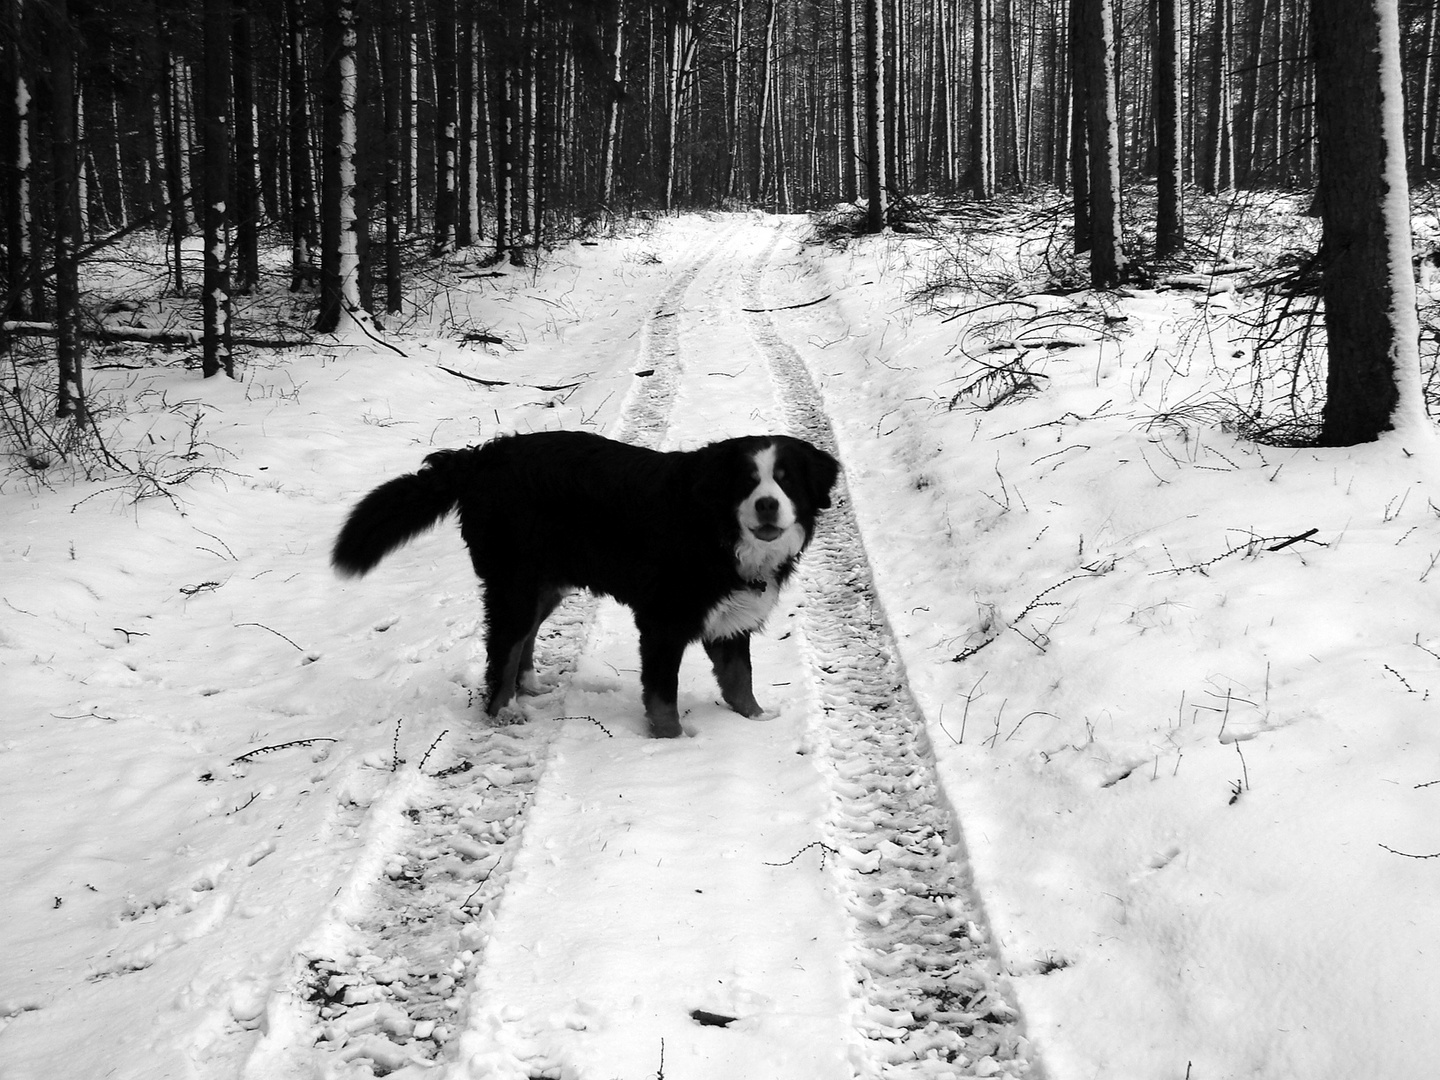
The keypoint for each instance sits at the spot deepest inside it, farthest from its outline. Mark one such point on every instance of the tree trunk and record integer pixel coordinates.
(876, 181)
(762, 168)
(65, 158)
(215, 96)
(174, 153)
(982, 103)
(615, 92)
(15, 161)
(849, 118)
(303, 217)
(393, 57)
(247, 176)
(445, 126)
(1219, 156)
(1169, 215)
(1368, 287)
(1107, 259)
(339, 249)
(1079, 138)
(732, 101)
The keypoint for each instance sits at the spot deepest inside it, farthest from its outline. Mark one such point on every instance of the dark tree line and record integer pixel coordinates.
(357, 127)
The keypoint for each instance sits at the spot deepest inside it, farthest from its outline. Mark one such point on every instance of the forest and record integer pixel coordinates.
(369, 137)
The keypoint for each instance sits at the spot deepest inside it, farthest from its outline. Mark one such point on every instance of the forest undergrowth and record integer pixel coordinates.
(1249, 266)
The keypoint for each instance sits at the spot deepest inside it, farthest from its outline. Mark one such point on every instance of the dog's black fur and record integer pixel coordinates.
(682, 538)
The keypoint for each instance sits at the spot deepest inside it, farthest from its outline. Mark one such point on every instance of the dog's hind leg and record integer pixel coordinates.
(661, 650)
(510, 624)
(525, 681)
(730, 658)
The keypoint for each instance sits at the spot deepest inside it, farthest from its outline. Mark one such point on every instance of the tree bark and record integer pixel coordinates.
(393, 54)
(15, 123)
(876, 181)
(246, 217)
(1107, 259)
(982, 103)
(446, 142)
(215, 96)
(303, 215)
(1368, 288)
(339, 248)
(65, 159)
(1169, 215)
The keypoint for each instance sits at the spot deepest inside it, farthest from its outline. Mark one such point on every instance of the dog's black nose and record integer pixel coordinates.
(767, 508)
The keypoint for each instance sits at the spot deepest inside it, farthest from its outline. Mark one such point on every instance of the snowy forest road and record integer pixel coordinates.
(764, 899)
(256, 826)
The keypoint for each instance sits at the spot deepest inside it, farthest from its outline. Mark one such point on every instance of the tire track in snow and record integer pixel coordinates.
(379, 986)
(929, 993)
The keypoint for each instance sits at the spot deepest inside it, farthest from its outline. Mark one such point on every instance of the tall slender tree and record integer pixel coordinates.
(339, 224)
(15, 171)
(65, 180)
(1169, 214)
(876, 180)
(216, 102)
(1371, 326)
(1102, 136)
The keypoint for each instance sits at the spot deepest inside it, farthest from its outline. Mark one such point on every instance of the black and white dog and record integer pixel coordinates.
(696, 543)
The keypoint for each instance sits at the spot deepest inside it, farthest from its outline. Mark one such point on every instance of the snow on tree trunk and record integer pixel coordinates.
(1102, 131)
(766, 88)
(1371, 325)
(15, 161)
(612, 106)
(982, 103)
(340, 306)
(215, 98)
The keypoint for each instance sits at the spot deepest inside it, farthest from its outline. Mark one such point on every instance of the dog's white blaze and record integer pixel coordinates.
(757, 560)
(742, 610)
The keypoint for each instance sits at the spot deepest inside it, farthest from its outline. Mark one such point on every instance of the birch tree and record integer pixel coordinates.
(339, 247)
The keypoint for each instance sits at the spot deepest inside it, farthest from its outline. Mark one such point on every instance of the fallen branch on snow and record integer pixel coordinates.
(501, 382)
(787, 307)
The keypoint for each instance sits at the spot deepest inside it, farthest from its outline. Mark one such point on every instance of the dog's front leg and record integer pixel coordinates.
(661, 650)
(730, 658)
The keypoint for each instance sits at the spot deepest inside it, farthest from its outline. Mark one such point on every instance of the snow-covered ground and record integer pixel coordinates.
(1091, 759)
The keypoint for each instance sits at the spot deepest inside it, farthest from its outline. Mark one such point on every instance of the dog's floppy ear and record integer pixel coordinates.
(825, 471)
(820, 471)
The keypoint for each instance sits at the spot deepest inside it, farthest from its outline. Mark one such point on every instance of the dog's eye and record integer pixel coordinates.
(779, 474)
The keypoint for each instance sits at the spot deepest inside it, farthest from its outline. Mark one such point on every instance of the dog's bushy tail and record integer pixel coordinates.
(398, 511)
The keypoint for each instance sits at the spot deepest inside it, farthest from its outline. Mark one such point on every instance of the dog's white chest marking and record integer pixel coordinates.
(740, 611)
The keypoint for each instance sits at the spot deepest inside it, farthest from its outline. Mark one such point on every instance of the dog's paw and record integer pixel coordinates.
(508, 715)
(528, 684)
